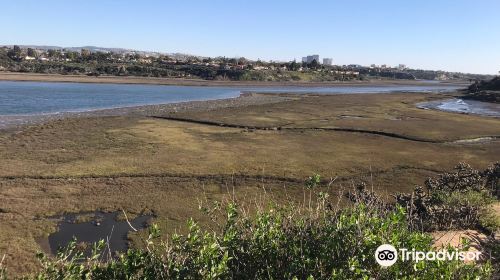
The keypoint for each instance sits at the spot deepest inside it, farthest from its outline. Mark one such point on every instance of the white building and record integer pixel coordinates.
(327, 61)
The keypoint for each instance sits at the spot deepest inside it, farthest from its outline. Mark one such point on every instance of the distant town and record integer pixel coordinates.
(95, 61)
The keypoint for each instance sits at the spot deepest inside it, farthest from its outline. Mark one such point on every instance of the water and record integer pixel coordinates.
(100, 226)
(463, 106)
(35, 98)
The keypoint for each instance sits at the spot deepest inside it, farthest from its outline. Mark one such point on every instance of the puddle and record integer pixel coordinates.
(463, 106)
(92, 227)
(478, 140)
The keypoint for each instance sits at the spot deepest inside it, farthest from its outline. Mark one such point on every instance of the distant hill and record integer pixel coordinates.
(91, 48)
(107, 50)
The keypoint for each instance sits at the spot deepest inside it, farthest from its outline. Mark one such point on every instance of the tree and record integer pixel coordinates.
(52, 53)
(122, 70)
(14, 53)
(314, 64)
(71, 55)
(17, 49)
(242, 61)
(293, 66)
(85, 53)
(31, 52)
(102, 56)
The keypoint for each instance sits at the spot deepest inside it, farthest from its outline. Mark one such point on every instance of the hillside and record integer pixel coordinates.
(97, 61)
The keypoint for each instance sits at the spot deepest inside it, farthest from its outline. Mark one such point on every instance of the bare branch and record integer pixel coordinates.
(128, 222)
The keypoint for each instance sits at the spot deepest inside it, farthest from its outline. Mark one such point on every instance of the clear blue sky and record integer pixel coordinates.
(453, 35)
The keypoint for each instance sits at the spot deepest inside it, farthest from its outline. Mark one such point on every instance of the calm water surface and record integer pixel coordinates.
(33, 98)
(102, 226)
(457, 105)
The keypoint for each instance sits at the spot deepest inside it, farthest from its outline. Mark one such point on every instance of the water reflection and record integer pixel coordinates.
(94, 226)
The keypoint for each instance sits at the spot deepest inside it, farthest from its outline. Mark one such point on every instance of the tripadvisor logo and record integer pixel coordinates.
(386, 255)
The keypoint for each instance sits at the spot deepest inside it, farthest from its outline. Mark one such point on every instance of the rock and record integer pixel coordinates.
(454, 238)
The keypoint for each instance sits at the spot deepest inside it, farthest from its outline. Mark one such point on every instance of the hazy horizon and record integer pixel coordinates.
(457, 36)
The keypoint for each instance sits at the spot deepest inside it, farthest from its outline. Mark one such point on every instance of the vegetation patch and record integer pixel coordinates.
(455, 200)
(485, 90)
(314, 240)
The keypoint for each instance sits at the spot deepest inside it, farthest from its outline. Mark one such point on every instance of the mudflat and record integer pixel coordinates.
(166, 159)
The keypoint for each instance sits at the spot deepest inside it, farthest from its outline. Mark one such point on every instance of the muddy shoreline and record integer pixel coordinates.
(8, 122)
(32, 77)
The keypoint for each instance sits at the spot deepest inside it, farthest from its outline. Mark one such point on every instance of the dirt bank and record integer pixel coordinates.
(10, 76)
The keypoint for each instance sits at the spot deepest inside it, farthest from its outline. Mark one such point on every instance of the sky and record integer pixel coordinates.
(451, 35)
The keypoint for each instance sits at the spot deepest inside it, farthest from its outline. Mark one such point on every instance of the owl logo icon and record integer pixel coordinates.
(386, 255)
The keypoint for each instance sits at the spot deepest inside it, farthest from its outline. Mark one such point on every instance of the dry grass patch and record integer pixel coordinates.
(395, 113)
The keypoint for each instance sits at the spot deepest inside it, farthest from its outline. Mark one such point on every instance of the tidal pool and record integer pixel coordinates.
(94, 226)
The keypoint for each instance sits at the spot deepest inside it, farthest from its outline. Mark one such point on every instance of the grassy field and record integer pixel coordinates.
(143, 164)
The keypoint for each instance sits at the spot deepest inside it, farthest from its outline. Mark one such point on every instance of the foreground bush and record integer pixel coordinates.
(278, 243)
(318, 241)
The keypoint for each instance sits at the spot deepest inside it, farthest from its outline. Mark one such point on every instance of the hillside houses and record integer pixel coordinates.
(101, 61)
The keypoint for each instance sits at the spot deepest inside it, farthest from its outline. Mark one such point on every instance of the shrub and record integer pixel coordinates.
(298, 242)
(453, 200)
(277, 243)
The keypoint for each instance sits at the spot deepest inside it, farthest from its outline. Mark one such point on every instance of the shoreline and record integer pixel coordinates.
(15, 122)
(57, 78)
(246, 98)
(483, 111)
(9, 122)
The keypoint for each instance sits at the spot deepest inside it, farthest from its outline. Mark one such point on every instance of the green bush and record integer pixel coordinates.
(489, 220)
(277, 243)
(317, 241)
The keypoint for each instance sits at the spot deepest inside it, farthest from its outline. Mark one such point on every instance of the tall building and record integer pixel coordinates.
(401, 66)
(327, 61)
(310, 58)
